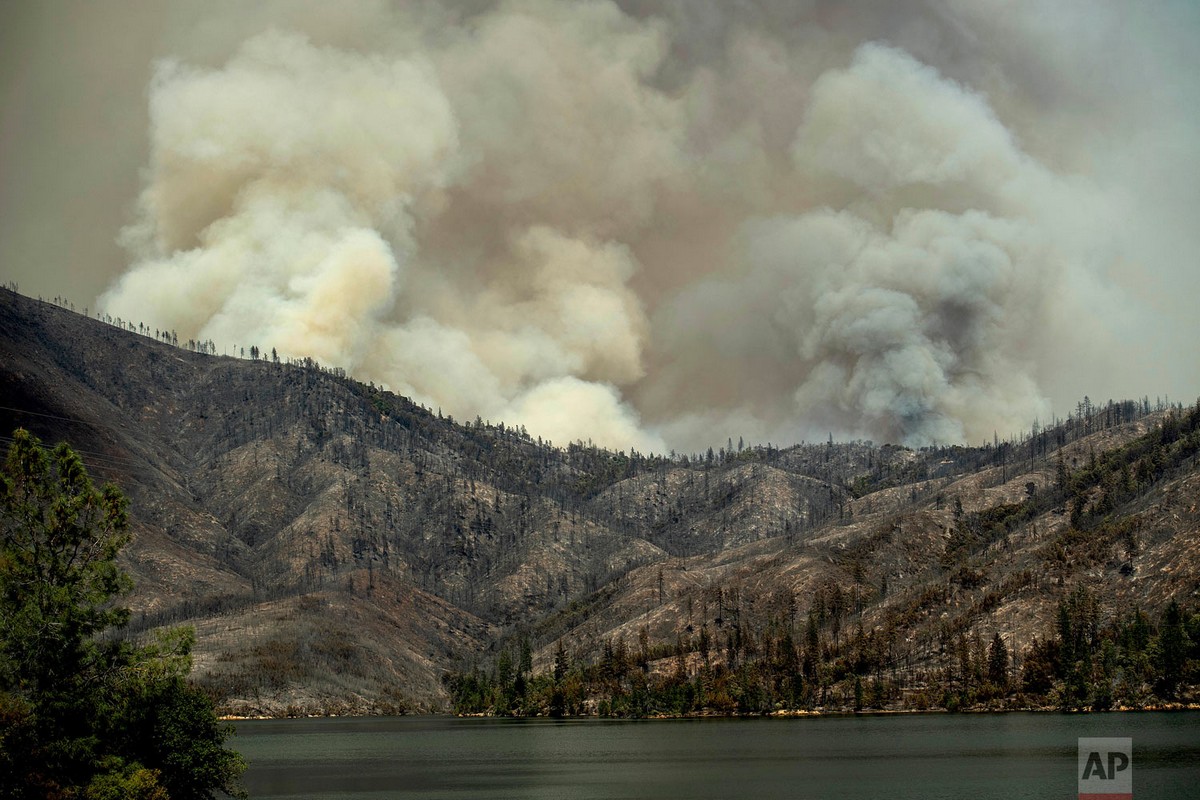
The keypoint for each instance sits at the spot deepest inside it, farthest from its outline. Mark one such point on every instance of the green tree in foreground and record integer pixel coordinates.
(83, 713)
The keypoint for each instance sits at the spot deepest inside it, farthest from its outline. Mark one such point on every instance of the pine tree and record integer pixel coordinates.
(1171, 654)
(83, 712)
(997, 673)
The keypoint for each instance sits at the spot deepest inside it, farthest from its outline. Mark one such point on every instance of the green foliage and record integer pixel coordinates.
(83, 713)
(1126, 661)
(120, 781)
(60, 541)
(1089, 662)
(1171, 653)
(998, 663)
(1041, 667)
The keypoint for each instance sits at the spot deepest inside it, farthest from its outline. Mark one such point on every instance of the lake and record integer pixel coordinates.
(978, 756)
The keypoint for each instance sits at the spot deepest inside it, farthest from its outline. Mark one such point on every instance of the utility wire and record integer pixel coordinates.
(91, 454)
(40, 414)
(93, 459)
(98, 460)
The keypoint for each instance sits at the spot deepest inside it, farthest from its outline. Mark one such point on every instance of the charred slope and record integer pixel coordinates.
(311, 526)
(907, 589)
(257, 484)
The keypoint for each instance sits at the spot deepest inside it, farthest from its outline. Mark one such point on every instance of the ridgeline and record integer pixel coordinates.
(340, 549)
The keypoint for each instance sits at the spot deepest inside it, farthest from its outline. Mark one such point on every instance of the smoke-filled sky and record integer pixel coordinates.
(649, 223)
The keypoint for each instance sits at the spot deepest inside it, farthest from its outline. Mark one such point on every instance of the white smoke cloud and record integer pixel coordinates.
(916, 313)
(920, 329)
(290, 192)
(651, 224)
(558, 118)
(889, 121)
(564, 406)
(275, 211)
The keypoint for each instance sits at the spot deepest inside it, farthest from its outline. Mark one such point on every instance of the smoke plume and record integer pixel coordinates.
(661, 224)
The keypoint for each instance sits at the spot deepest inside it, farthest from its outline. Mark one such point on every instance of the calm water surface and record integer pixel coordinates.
(971, 756)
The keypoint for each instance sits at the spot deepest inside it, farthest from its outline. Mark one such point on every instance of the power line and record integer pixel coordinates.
(89, 463)
(121, 460)
(67, 419)
(40, 414)
(72, 419)
(99, 460)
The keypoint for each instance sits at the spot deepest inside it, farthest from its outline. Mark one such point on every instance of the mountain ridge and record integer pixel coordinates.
(339, 548)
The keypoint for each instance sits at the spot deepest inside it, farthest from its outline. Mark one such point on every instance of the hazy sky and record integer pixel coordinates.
(651, 223)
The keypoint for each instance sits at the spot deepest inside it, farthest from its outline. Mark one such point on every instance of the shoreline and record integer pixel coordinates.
(779, 714)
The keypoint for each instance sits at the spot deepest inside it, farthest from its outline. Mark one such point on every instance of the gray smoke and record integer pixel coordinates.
(661, 224)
